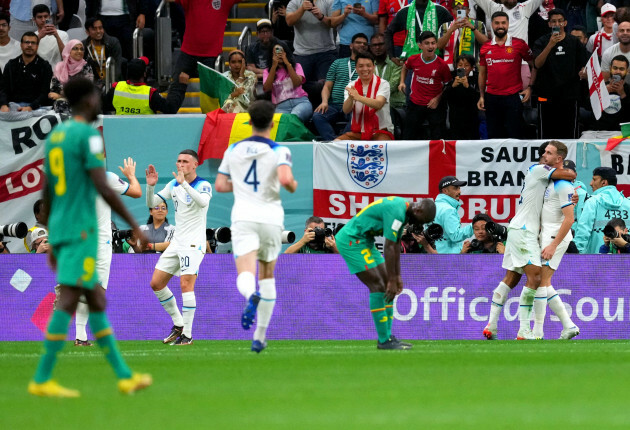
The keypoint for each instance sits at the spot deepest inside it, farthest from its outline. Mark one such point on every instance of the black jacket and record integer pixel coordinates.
(28, 83)
(112, 49)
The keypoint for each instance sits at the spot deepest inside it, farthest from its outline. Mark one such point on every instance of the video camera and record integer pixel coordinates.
(611, 233)
(18, 229)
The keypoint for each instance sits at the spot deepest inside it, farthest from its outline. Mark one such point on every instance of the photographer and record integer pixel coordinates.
(483, 243)
(413, 242)
(3, 248)
(38, 241)
(616, 239)
(317, 239)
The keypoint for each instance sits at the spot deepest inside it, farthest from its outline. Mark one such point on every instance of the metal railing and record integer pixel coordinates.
(270, 10)
(110, 72)
(246, 36)
(138, 40)
(163, 42)
(219, 64)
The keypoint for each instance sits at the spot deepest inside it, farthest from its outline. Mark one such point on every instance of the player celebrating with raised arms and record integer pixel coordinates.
(254, 169)
(355, 241)
(191, 197)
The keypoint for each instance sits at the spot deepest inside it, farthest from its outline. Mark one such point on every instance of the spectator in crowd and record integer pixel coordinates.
(461, 96)
(353, 17)
(606, 37)
(447, 204)
(387, 69)
(483, 242)
(245, 80)
(40, 212)
(73, 65)
(308, 243)
(580, 32)
(119, 18)
(387, 10)
(620, 48)
(284, 79)
(99, 46)
(203, 38)
(518, 15)
(432, 17)
(21, 12)
(51, 40)
(341, 72)
(9, 47)
(314, 44)
(500, 80)
(38, 241)
(605, 202)
(279, 24)
(367, 99)
(68, 8)
(463, 36)
(430, 74)
(26, 79)
(559, 57)
(619, 109)
(135, 97)
(157, 229)
(617, 244)
(258, 52)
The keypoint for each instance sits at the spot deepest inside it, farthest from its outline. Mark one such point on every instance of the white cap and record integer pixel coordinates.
(263, 23)
(608, 8)
(35, 234)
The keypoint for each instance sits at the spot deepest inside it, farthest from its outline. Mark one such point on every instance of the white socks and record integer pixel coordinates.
(525, 304)
(555, 303)
(540, 310)
(265, 307)
(169, 303)
(246, 284)
(81, 319)
(189, 304)
(499, 296)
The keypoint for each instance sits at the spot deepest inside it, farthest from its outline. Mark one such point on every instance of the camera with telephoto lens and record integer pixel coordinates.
(320, 237)
(221, 234)
(612, 233)
(288, 236)
(497, 232)
(120, 235)
(431, 233)
(18, 229)
(475, 246)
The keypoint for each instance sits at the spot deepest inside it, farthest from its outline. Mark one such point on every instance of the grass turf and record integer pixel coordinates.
(330, 384)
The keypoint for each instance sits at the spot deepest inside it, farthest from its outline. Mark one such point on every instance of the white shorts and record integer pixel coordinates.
(251, 236)
(546, 239)
(180, 260)
(521, 248)
(103, 263)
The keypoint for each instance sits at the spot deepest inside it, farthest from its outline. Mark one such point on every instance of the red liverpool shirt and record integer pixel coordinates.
(503, 63)
(428, 78)
(390, 8)
(205, 24)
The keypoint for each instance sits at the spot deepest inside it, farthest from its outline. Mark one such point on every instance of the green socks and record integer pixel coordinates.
(381, 320)
(55, 338)
(389, 310)
(105, 338)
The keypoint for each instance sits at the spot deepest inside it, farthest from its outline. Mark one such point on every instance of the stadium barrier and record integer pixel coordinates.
(445, 297)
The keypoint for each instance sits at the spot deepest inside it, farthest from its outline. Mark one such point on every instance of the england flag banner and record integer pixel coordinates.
(600, 99)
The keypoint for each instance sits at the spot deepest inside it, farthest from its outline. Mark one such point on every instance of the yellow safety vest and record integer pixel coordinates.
(132, 99)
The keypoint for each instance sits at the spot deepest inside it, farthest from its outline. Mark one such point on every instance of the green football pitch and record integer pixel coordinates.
(330, 384)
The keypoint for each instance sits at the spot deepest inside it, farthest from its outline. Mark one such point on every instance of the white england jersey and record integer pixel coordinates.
(252, 165)
(557, 196)
(104, 212)
(530, 205)
(190, 217)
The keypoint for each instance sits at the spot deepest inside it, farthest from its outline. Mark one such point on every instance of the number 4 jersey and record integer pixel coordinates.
(252, 166)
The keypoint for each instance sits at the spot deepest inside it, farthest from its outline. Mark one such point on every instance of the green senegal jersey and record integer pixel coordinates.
(385, 217)
(72, 149)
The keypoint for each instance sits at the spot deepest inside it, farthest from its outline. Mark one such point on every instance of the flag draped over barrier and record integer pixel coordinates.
(223, 129)
(215, 88)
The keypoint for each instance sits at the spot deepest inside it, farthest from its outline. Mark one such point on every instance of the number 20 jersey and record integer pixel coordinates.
(252, 166)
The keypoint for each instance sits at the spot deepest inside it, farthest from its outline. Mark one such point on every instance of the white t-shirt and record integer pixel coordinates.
(190, 217)
(530, 204)
(519, 15)
(590, 45)
(252, 164)
(611, 53)
(9, 51)
(113, 8)
(384, 118)
(557, 196)
(104, 211)
(48, 48)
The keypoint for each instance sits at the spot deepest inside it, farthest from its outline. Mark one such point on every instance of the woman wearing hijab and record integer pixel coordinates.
(72, 65)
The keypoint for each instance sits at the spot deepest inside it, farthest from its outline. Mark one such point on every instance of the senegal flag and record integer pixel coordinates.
(221, 129)
(215, 88)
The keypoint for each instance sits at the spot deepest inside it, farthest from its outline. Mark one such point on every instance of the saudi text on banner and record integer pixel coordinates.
(347, 176)
(618, 159)
(495, 170)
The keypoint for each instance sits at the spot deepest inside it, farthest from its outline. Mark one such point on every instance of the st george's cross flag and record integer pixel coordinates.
(600, 99)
